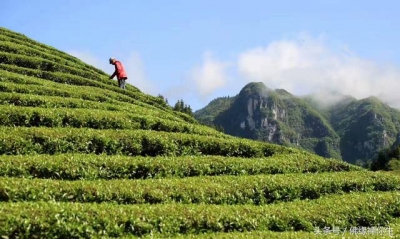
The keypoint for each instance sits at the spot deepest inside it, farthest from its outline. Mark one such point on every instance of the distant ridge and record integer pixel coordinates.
(354, 130)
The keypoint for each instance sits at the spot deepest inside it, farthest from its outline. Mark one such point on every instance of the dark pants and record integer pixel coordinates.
(121, 83)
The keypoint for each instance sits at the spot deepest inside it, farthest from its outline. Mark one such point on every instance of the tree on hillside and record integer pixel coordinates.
(182, 107)
(388, 159)
(163, 98)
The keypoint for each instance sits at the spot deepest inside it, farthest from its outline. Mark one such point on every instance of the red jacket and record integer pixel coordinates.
(119, 71)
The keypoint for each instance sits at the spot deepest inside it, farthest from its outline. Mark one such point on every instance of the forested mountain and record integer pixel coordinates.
(354, 130)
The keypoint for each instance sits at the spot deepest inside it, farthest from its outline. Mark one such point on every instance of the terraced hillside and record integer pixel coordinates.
(81, 158)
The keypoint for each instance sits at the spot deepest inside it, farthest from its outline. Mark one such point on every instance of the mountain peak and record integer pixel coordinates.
(255, 88)
(283, 92)
(372, 99)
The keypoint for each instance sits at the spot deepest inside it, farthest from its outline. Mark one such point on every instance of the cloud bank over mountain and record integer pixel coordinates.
(307, 65)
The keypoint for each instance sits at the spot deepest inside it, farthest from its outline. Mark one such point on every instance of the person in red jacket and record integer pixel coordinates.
(119, 72)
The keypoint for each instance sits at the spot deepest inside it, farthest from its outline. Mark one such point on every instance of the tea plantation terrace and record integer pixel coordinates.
(82, 158)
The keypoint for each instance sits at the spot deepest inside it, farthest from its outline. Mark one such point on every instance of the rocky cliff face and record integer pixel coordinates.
(397, 142)
(371, 144)
(278, 117)
(255, 120)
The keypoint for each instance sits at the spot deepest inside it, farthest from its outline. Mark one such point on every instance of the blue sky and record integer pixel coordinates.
(197, 50)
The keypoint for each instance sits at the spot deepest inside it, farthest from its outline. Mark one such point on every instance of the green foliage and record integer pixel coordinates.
(90, 167)
(13, 47)
(258, 190)
(362, 126)
(69, 79)
(36, 86)
(96, 119)
(49, 219)
(394, 164)
(329, 147)
(254, 88)
(163, 98)
(41, 140)
(23, 43)
(318, 233)
(180, 106)
(207, 115)
(387, 159)
(70, 75)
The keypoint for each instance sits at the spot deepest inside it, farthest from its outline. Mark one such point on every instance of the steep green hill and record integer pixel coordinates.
(365, 126)
(81, 158)
(207, 114)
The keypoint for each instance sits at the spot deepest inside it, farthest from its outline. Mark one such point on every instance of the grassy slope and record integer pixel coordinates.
(70, 139)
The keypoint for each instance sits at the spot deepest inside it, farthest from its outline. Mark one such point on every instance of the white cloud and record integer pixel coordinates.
(210, 76)
(91, 59)
(306, 65)
(136, 74)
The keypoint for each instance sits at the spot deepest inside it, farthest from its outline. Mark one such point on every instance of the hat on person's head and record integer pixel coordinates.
(111, 59)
